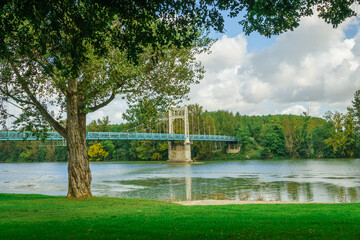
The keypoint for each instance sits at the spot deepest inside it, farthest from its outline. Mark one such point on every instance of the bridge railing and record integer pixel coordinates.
(214, 138)
(133, 136)
(29, 136)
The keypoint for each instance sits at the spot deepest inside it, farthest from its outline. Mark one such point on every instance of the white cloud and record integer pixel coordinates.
(314, 67)
(226, 52)
(297, 110)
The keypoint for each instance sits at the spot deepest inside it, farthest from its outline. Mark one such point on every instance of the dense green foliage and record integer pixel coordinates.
(46, 217)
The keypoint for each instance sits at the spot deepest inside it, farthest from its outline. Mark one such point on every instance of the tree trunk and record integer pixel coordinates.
(78, 164)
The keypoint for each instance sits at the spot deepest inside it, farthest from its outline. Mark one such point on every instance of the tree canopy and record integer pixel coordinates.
(63, 59)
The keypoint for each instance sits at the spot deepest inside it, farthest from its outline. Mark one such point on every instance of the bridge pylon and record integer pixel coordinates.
(179, 152)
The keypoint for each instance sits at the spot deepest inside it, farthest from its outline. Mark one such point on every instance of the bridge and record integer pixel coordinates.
(179, 149)
(55, 136)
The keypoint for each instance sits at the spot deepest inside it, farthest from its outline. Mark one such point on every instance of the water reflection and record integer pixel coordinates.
(189, 188)
(287, 180)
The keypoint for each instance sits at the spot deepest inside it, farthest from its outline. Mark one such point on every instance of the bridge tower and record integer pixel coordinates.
(179, 152)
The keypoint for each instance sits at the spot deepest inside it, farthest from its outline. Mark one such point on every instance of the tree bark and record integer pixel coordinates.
(78, 164)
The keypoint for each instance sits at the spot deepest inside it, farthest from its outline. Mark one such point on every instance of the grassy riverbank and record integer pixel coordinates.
(47, 217)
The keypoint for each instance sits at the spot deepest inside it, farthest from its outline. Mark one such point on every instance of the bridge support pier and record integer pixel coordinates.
(232, 147)
(179, 152)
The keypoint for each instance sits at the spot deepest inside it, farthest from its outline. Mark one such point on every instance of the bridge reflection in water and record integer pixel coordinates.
(244, 189)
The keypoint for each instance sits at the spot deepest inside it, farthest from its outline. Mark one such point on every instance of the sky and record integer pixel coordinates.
(313, 69)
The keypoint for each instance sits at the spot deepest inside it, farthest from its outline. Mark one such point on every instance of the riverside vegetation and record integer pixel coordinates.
(262, 137)
(50, 217)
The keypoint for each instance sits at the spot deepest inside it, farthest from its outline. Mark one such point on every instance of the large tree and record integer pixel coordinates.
(65, 59)
(79, 55)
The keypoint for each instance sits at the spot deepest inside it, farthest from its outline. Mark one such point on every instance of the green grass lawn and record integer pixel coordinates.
(48, 217)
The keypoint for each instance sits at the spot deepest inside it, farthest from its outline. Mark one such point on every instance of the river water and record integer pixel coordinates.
(262, 180)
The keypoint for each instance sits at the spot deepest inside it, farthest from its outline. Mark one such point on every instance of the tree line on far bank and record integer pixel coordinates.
(262, 137)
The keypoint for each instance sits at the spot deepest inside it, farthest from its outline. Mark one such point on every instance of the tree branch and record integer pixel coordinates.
(103, 104)
(112, 97)
(6, 93)
(55, 124)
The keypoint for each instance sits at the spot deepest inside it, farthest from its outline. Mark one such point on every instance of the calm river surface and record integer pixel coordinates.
(285, 180)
